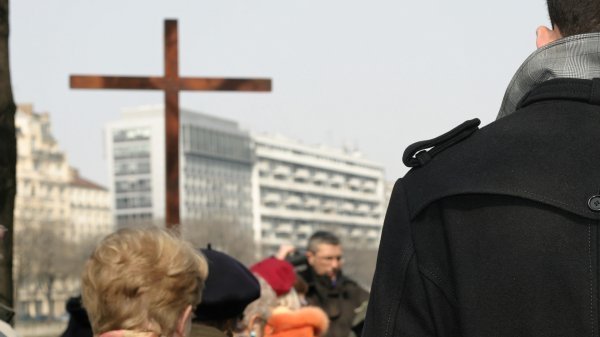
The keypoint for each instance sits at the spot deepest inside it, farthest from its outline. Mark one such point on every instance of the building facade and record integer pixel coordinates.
(215, 167)
(279, 189)
(299, 189)
(89, 205)
(56, 213)
(43, 174)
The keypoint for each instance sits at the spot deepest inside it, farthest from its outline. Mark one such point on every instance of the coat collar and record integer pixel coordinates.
(317, 282)
(576, 56)
(548, 153)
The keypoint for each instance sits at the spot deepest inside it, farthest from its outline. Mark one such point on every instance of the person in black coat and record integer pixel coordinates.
(79, 322)
(494, 231)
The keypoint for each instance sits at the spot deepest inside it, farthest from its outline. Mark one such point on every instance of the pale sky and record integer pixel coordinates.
(374, 74)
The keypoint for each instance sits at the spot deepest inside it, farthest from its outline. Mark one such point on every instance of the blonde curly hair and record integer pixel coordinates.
(141, 279)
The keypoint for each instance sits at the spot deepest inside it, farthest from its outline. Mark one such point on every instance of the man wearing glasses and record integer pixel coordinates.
(328, 288)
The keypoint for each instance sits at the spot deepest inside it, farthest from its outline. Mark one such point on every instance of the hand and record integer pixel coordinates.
(284, 251)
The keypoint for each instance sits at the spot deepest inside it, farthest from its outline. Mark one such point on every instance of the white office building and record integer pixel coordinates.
(299, 189)
(280, 189)
(215, 167)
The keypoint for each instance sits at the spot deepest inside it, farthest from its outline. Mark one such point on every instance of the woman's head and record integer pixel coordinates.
(143, 279)
(279, 274)
(290, 300)
(258, 312)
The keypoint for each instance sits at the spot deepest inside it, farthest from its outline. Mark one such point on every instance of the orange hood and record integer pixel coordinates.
(304, 322)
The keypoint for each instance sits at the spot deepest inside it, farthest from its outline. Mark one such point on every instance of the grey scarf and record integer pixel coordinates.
(576, 56)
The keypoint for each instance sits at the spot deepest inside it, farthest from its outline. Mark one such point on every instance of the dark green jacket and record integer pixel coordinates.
(201, 330)
(340, 302)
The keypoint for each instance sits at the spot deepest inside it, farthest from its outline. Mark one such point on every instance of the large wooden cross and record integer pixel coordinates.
(171, 84)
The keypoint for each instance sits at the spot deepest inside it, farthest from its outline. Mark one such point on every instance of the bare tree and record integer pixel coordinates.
(44, 259)
(8, 160)
(223, 233)
(360, 264)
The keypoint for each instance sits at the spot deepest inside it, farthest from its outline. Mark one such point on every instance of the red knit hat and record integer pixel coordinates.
(279, 274)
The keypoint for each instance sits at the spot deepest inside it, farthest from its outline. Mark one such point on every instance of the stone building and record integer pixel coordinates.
(57, 213)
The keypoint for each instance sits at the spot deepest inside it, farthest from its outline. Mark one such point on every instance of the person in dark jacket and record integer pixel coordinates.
(339, 296)
(79, 322)
(494, 231)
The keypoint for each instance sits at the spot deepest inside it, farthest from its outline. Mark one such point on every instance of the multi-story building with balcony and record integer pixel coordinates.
(300, 189)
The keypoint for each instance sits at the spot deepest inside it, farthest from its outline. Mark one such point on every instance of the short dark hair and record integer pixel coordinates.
(574, 17)
(321, 237)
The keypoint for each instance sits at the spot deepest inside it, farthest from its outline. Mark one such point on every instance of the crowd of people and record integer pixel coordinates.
(494, 232)
(146, 282)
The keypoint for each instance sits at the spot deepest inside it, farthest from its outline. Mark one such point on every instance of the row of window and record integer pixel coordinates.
(41, 213)
(139, 201)
(129, 167)
(316, 156)
(31, 188)
(218, 189)
(133, 185)
(202, 140)
(134, 216)
(125, 135)
(202, 167)
(272, 198)
(135, 150)
(204, 203)
(215, 175)
(317, 177)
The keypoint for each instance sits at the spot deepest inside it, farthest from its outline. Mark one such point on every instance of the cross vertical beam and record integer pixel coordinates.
(172, 122)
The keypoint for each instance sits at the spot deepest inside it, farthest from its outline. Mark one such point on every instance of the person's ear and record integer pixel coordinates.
(310, 257)
(546, 35)
(250, 328)
(184, 322)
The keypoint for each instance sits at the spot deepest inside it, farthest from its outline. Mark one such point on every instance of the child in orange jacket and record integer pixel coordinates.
(288, 318)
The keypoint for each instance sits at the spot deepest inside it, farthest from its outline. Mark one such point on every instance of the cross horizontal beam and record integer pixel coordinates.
(160, 83)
